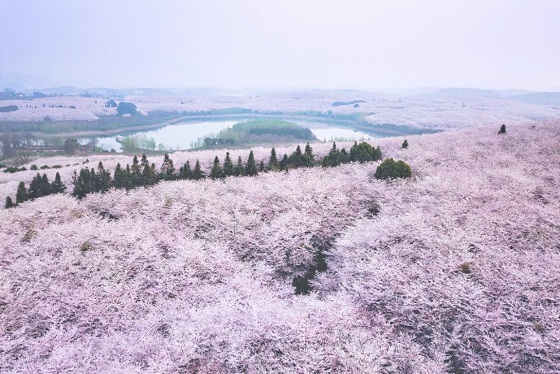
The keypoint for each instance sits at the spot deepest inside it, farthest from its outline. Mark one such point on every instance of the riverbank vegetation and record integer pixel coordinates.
(257, 131)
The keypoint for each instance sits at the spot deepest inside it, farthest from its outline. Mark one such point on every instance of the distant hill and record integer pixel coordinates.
(545, 98)
(21, 82)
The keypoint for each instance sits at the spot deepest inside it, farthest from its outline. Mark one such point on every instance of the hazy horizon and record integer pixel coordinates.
(364, 45)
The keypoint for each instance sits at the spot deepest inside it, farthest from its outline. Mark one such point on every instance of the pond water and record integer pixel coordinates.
(184, 135)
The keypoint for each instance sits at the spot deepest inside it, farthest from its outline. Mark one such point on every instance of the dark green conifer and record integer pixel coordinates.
(167, 170)
(57, 186)
(296, 158)
(309, 151)
(229, 169)
(284, 162)
(216, 171)
(273, 162)
(239, 169)
(45, 185)
(21, 194)
(148, 171)
(103, 180)
(251, 167)
(363, 152)
(404, 144)
(261, 166)
(308, 159)
(128, 178)
(35, 186)
(186, 172)
(135, 173)
(119, 177)
(197, 173)
(9, 203)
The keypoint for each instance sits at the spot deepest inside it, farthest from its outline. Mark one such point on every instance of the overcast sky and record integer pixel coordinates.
(364, 44)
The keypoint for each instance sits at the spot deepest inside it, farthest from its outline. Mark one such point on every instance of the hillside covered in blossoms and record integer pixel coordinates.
(453, 270)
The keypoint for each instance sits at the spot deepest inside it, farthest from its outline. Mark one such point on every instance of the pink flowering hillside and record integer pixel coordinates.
(317, 270)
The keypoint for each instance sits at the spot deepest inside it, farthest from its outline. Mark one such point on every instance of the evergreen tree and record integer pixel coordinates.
(135, 173)
(186, 172)
(251, 167)
(103, 180)
(9, 203)
(363, 152)
(308, 159)
(119, 177)
(35, 190)
(21, 194)
(284, 162)
(296, 158)
(151, 177)
(343, 156)
(239, 169)
(144, 161)
(377, 155)
(57, 186)
(83, 183)
(216, 171)
(197, 173)
(128, 178)
(45, 185)
(404, 144)
(261, 166)
(167, 171)
(148, 172)
(228, 166)
(332, 159)
(502, 129)
(273, 162)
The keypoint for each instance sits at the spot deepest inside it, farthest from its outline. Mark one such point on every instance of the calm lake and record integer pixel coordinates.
(184, 135)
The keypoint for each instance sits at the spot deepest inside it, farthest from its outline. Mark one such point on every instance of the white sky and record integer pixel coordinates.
(285, 43)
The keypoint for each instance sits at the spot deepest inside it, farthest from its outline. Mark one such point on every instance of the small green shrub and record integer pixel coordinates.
(86, 246)
(465, 268)
(390, 169)
(29, 234)
(539, 327)
(34, 167)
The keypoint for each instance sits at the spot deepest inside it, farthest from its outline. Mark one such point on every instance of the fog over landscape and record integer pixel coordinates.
(279, 186)
(243, 44)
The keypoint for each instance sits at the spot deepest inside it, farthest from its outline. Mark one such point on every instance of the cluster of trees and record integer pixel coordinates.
(126, 108)
(218, 141)
(259, 130)
(9, 108)
(362, 152)
(39, 186)
(143, 173)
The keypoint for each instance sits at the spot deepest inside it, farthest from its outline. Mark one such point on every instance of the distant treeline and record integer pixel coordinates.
(102, 124)
(340, 103)
(9, 108)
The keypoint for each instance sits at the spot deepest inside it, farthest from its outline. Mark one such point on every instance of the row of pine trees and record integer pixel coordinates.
(39, 186)
(143, 173)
